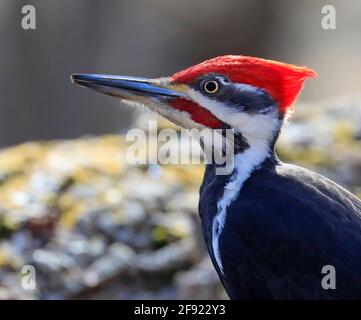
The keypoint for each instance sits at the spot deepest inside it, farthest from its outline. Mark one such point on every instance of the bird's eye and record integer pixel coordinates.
(211, 86)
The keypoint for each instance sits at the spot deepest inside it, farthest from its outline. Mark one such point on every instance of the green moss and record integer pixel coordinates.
(160, 236)
(343, 133)
(5, 229)
(6, 176)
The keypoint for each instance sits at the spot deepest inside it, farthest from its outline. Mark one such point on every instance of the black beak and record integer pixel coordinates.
(128, 88)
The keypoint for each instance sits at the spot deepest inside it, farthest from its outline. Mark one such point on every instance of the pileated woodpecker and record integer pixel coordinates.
(269, 227)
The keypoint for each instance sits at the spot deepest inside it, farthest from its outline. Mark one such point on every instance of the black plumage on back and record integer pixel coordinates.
(285, 224)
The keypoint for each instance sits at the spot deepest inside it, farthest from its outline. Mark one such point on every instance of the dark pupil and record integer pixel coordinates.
(211, 86)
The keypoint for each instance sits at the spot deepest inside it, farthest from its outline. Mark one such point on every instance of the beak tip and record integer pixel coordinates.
(75, 77)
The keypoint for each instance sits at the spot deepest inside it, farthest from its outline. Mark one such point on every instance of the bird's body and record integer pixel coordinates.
(283, 226)
(270, 228)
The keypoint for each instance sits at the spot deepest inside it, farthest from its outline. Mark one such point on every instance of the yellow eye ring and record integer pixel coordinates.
(211, 86)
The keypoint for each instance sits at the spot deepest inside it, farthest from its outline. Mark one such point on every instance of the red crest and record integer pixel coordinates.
(282, 81)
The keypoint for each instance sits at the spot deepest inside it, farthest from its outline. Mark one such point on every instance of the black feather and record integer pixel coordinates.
(285, 225)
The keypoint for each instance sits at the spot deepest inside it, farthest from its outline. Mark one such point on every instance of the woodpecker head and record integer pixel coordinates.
(250, 95)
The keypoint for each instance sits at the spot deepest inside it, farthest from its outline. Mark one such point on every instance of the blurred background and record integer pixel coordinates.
(151, 39)
(93, 226)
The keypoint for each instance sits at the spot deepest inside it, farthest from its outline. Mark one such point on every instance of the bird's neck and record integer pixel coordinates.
(249, 154)
(219, 191)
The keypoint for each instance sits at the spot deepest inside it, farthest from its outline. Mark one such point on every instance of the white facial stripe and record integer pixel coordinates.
(253, 127)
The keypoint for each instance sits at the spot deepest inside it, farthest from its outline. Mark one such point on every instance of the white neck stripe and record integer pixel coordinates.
(245, 164)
